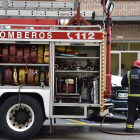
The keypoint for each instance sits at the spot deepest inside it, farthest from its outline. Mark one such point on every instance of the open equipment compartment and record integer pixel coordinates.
(15, 71)
(78, 73)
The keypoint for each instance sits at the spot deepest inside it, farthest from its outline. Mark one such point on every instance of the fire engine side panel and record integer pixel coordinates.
(44, 92)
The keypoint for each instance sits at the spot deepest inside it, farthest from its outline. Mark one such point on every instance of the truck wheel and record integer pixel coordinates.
(21, 122)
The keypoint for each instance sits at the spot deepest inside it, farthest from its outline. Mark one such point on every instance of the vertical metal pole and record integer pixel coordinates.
(108, 46)
(78, 16)
(108, 54)
(102, 74)
(120, 63)
(51, 76)
(108, 75)
(51, 127)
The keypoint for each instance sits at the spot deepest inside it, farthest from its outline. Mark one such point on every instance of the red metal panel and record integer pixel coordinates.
(108, 86)
(28, 22)
(51, 35)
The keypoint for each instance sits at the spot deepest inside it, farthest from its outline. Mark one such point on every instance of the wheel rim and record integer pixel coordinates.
(20, 118)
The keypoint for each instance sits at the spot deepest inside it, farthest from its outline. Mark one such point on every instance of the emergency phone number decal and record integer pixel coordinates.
(51, 35)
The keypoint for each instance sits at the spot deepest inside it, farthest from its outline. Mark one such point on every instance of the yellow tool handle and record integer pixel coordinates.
(40, 53)
(46, 58)
(21, 75)
(15, 75)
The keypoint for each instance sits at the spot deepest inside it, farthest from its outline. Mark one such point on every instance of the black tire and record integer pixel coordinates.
(35, 125)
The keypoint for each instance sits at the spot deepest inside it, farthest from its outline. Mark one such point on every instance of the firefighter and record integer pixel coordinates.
(132, 80)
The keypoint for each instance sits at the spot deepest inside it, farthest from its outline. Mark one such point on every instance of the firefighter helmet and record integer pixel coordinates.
(137, 63)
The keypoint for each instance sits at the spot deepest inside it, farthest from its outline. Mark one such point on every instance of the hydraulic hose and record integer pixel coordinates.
(113, 133)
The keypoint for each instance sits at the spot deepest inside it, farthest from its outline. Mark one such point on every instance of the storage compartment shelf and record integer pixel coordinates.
(15, 64)
(69, 94)
(61, 57)
(77, 71)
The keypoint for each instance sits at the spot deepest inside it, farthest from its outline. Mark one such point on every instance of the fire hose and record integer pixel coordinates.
(8, 73)
(33, 54)
(20, 55)
(46, 59)
(113, 133)
(27, 54)
(5, 55)
(40, 54)
(30, 76)
(22, 72)
(13, 52)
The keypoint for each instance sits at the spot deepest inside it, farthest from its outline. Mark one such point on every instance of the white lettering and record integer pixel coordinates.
(41, 35)
(78, 35)
(19, 34)
(84, 35)
(10, 34)
(2, 34)
(49, 35)
(91, 36)
(68, 34)
(34, 35)
(26, 34)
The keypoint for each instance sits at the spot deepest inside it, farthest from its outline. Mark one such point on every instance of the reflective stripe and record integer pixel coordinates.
(134, 95)
(128, 77)
(129, 126)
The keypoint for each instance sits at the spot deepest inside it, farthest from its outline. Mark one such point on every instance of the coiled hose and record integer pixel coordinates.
(113, 133)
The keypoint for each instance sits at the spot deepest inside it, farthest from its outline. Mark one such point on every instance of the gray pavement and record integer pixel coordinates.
(78, 129)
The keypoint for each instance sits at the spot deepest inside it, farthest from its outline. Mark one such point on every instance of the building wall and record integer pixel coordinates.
(122, 7)
(126, 31)
(122, 31)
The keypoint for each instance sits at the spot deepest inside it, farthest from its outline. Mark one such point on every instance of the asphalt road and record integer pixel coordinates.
(78, 129)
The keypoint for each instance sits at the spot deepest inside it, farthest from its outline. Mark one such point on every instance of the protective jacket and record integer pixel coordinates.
(132, 80)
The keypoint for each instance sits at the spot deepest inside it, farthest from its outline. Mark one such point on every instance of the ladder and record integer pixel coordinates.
(41, 10)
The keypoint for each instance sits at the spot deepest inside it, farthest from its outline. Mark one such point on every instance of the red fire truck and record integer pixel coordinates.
(49, 71)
